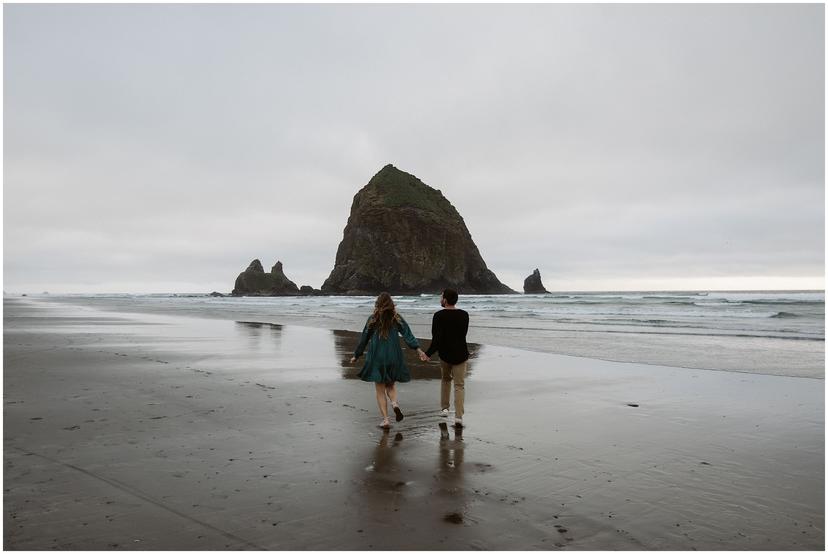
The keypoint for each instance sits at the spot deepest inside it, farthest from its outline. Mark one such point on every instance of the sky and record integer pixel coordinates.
(161, 148)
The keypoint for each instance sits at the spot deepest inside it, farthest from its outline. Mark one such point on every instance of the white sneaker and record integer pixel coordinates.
(444, 412)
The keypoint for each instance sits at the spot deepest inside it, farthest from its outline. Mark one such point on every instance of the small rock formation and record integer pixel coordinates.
(405, 237)
(307, 290)
(253, 281)
(216, 294)
(533, 284)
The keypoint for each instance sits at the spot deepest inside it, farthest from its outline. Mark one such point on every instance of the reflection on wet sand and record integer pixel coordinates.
(450, 471)
(346, 342)
(259, 325)
(256, 331)
(381, 492)
(385, 455)
(263, 340)
(401, 481)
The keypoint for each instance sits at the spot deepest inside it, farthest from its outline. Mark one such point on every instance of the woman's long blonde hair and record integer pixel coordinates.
(385, 314)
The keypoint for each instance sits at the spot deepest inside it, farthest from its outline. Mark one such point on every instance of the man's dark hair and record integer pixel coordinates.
(451, 296)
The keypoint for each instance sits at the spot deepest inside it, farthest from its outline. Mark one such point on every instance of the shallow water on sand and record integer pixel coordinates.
(777, 333)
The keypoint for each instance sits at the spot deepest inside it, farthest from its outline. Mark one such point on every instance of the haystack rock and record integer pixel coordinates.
(405, 237)
(533, 284)
(253, 281)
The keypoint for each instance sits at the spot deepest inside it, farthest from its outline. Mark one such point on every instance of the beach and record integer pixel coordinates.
(150, 431)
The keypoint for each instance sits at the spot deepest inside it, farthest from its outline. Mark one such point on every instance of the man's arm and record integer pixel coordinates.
(435, 333)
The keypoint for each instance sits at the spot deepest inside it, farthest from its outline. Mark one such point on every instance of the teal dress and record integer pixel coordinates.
(384, 362)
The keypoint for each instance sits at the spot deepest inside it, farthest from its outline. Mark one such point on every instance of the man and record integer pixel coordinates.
(448, 338)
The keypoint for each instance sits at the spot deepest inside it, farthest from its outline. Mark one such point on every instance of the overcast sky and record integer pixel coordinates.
(155, 148)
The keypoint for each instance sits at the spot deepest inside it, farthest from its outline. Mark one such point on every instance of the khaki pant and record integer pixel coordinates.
(457, 373)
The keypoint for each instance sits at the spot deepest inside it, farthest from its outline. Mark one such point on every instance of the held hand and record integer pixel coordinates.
(423, 357)
(353, 360)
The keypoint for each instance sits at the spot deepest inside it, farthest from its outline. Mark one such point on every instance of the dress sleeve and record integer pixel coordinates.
(363, 340)
(434, 346)
(407, 335)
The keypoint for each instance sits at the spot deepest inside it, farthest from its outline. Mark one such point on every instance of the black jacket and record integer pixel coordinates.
(448, 336)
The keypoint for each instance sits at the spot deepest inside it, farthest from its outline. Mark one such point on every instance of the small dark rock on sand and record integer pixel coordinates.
(632, 405)
(453, 517)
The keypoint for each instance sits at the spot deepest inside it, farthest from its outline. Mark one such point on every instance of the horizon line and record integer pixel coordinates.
(47, 293)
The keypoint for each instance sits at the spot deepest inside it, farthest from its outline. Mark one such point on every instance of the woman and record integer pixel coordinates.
(384, 363)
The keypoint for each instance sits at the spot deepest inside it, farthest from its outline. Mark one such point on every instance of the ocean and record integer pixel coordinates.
(770, 332)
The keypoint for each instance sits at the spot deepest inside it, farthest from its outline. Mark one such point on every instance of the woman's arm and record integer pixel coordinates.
(407, 335)
(363, 341)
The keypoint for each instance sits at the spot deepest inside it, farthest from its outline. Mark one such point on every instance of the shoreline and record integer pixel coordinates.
(473, 346)
(513, 337)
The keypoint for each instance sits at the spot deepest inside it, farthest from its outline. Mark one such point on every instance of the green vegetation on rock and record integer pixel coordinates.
(401, 189)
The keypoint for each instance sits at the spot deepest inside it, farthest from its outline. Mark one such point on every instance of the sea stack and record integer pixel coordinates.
(405, 237)
(533, 284)
(253, 281)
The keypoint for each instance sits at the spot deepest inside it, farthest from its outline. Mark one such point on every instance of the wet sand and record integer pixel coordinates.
(146, 432)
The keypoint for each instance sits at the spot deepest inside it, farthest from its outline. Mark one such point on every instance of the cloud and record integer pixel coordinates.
(601, 143)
